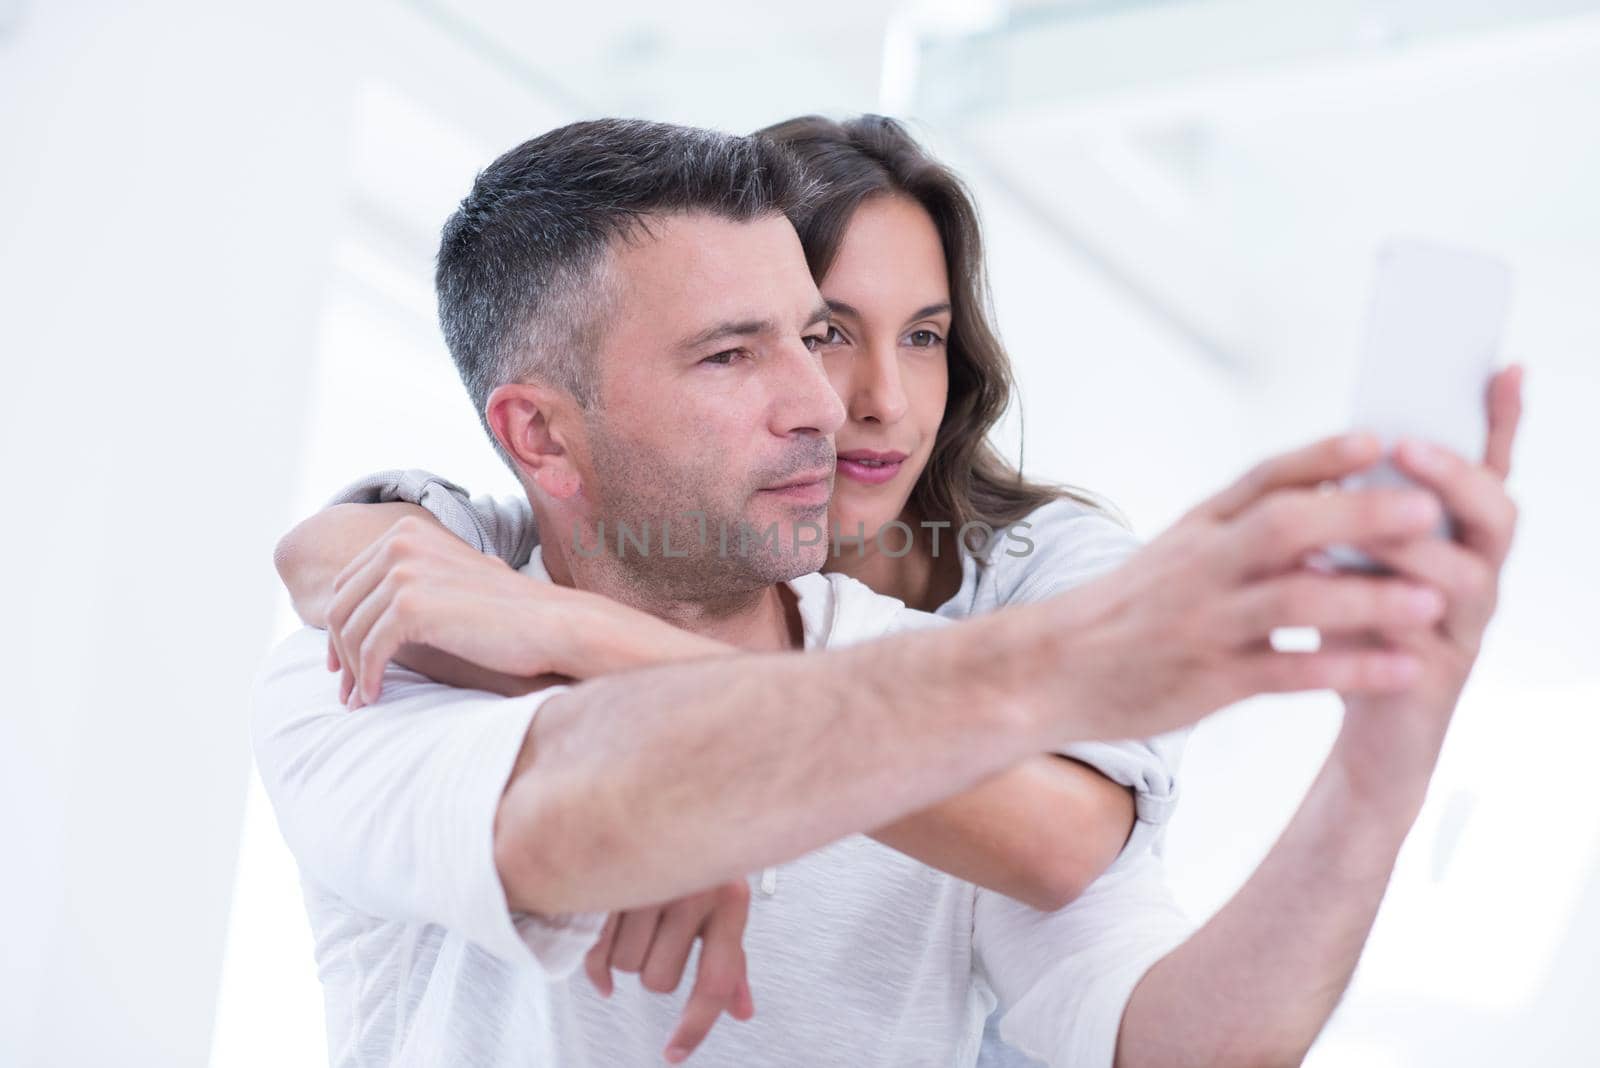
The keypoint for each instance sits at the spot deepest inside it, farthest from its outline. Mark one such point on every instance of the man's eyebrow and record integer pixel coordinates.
(730, 328)
(750, 328)
(839, 307)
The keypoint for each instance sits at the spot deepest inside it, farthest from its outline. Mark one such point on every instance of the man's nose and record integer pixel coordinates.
(806, 401)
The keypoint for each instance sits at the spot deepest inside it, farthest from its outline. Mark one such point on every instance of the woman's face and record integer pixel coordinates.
(889, 292)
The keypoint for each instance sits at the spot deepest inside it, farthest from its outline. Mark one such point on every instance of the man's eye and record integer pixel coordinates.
(923, 339)
(723, 359)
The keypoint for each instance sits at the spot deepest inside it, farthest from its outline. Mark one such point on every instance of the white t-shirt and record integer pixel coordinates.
(861, 956)
(1057, 546)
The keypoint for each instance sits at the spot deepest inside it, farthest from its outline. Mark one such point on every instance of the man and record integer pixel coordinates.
(461, 851)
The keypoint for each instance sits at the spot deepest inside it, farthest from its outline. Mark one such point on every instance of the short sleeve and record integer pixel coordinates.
(1067, 544)
(1063, 979)
(1148, 767)
(501, 526)
(391, 808)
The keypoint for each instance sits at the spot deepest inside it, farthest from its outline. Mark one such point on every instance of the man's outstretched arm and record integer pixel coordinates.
(652, 784)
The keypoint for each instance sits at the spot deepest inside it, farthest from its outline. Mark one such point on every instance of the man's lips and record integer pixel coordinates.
(810, 487)
(872, 467)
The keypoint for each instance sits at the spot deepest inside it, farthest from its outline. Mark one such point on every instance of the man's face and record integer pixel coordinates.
(712, 399)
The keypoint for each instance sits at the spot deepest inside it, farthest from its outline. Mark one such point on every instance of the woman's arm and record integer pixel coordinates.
(561, 631)
(1038, 832)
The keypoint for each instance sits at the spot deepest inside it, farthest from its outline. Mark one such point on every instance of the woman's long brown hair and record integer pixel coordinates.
(966, 480)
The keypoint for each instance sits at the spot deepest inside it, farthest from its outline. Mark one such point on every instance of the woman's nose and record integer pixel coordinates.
(877, 394)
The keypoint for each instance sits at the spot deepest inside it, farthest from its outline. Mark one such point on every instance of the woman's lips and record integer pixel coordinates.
(869, 467)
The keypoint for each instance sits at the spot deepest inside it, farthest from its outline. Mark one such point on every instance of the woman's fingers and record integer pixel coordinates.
(1467, 581)
(1472, 493)
(1505, 413)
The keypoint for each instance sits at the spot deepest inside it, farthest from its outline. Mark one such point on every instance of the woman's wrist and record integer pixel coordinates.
(601, 637)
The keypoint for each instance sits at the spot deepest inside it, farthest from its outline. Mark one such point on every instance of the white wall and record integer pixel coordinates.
(169, 184)
(214, 261)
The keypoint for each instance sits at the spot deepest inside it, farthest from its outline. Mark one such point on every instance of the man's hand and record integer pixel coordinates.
(655, 941)
(1195, 608)
(1390, 742)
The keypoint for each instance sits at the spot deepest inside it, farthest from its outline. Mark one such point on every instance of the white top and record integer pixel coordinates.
(1057, 546)
(861, 955)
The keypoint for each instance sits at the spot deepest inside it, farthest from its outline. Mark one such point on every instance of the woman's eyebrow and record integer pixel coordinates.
(930, 311)
(839, 307)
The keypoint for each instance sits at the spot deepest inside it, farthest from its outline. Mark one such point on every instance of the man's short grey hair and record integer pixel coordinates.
(524, 292)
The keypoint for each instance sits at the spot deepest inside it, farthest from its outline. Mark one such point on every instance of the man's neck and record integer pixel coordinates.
(762, 619)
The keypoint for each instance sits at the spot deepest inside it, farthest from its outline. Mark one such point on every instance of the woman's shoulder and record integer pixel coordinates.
(1058, 545)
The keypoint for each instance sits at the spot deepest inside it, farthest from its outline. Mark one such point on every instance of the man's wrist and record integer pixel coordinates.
(1014, 661)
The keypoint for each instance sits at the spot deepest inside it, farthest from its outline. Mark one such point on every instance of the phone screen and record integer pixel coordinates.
(1433, 336)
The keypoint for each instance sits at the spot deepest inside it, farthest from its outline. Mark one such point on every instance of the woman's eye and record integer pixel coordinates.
(723, 359)
(817, 341)
(924, 338)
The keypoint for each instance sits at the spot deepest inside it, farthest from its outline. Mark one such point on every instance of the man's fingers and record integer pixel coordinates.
(1321, 461)
(744, 1003)
(1505, 413)
(721, 971)
(1305, 598)
(597, 962)
(1275, 534)
(669, 950)
(1375, 671)
(634, 935)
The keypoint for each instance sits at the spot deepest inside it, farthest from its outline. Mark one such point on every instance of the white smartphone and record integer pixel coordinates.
(1433, 335)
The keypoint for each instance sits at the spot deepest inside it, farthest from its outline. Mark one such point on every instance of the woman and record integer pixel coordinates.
(923, 509)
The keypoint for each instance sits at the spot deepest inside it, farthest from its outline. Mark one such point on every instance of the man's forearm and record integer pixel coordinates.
(1255, 985)
(643, 787)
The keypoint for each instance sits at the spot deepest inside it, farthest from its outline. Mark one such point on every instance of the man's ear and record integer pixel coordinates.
(536, 424)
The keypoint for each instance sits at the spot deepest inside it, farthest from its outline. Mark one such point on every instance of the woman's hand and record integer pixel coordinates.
(1391, 742)
(420, 585)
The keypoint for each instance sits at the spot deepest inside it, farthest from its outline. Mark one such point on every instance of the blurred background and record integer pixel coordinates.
(215, 267)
